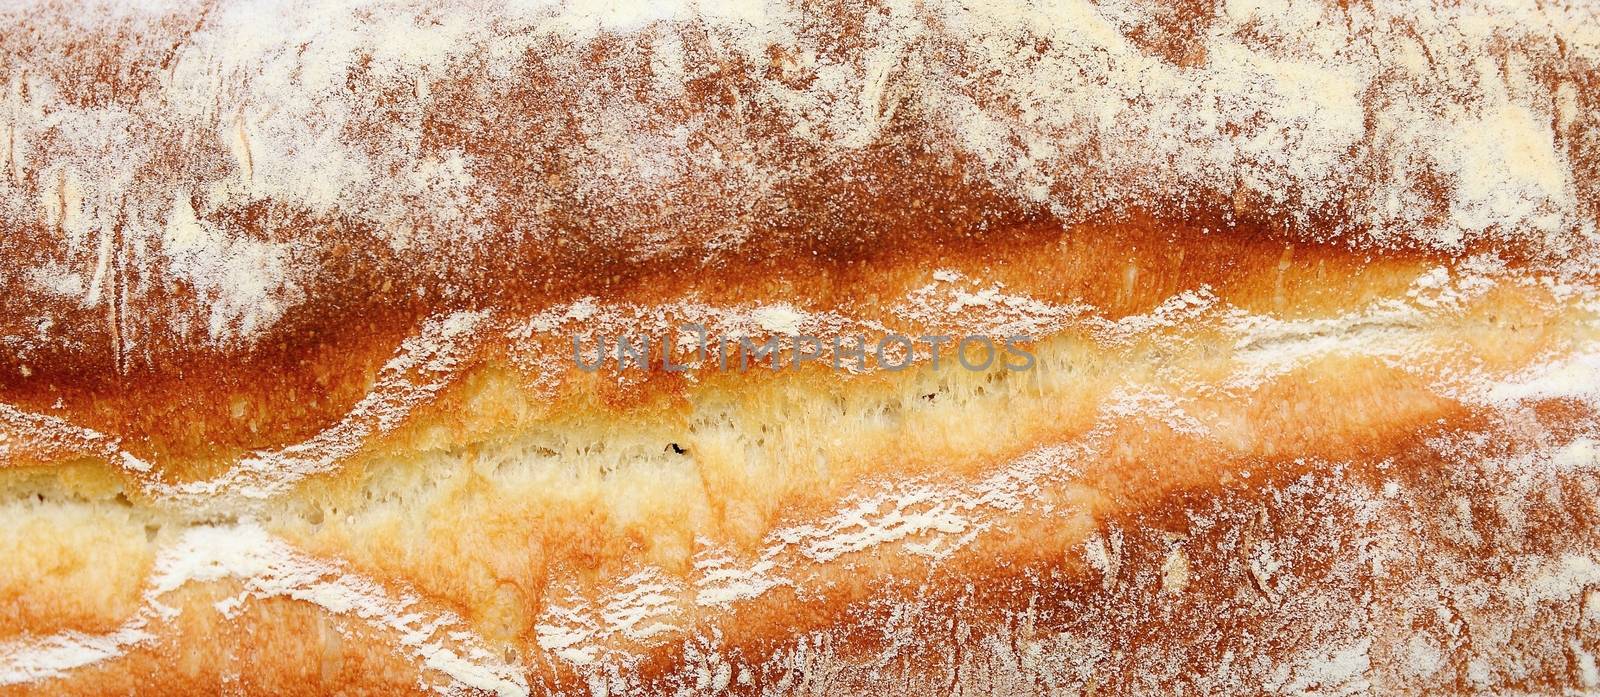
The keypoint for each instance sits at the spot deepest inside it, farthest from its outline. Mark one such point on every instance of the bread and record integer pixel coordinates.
(1294, 309)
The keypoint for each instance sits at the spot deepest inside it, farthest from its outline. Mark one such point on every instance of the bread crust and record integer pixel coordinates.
(290, 404)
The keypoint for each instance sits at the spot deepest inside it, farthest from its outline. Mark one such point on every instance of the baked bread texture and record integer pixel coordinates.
(616, 348)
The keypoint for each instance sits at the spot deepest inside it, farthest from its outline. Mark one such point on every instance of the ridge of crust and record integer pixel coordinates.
(192, 413)
(1291, 547)
(179, 177)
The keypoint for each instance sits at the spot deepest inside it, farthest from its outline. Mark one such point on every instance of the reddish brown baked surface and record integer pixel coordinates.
(288, 403)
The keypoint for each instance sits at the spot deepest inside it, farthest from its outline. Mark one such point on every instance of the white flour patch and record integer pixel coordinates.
(269, 568)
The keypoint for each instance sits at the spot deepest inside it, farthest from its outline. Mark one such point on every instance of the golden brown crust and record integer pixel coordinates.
(287, 398)
(290, 405)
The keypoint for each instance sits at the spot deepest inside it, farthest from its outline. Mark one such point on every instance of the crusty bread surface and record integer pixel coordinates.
(297, 300)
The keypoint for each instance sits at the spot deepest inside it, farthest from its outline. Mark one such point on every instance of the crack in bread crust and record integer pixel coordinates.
(567, 534)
